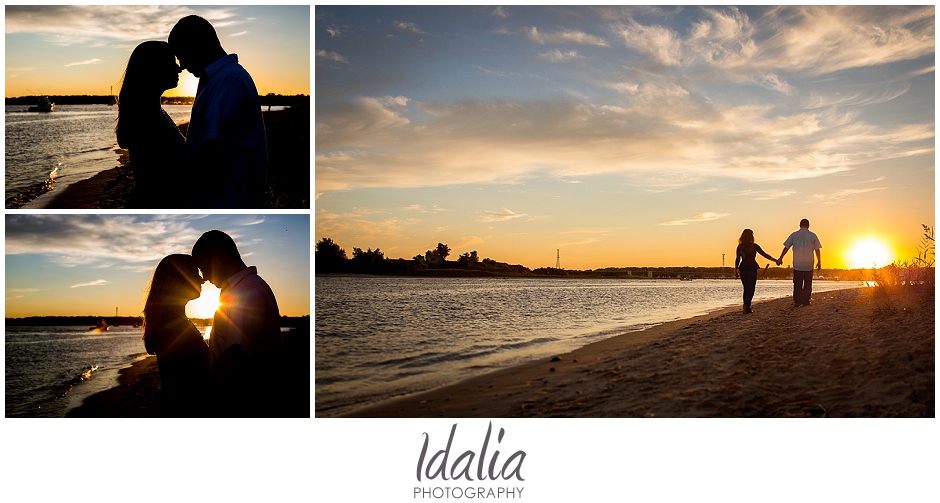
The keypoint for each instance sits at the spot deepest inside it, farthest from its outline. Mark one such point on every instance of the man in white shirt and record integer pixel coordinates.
(226, 137)
(804, 244)
(245, 347)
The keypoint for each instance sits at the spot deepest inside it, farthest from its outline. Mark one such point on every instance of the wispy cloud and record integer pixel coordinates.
(500, 11)
(701, 217)
(332, 56)
(87, 240)
(557, 56)
(97, 282)
(92, 61)
(413, 28)
(767, 194)
(565, 36)
(500, 216)
(663, 130)
(840, 196)
(73, 25)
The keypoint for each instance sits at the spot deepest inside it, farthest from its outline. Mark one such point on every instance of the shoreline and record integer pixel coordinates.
(106, 189)
(858, 359)
(133, 396)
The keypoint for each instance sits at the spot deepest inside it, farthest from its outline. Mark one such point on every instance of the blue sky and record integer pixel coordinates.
(623, 136)
(73, 265)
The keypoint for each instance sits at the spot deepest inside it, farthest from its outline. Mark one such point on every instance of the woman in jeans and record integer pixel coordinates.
(745, 265)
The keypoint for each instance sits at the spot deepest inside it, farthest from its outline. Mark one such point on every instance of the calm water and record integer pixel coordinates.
(74, 141)
(380, 337)
(49, 370)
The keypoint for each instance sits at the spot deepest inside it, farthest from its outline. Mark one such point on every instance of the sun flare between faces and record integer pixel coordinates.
(869, 252)
(206, 304)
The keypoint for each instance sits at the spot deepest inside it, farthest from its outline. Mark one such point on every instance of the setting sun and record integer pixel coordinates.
(869, 252)
(187, 86)
(206, 304)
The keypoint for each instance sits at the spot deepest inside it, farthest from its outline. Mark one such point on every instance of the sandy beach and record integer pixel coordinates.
(134, 396)
(853, 353)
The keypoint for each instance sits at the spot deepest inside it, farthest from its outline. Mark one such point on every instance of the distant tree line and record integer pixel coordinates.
(270, 99)
(68, 321)
(329, 257)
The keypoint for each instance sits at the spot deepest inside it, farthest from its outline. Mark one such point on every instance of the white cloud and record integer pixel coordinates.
(87, 240)
(408, 27)
(97, 282)
(72, 25)
(557, 56)
(93, 61)
(500, 216)
(701, 217)
(565, 36)
(332, 56)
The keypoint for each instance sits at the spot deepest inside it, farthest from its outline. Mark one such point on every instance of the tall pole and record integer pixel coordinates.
(557, 259)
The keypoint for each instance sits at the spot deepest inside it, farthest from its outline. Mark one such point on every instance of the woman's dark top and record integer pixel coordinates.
(183, 359)
(157, 154)
(747, 257)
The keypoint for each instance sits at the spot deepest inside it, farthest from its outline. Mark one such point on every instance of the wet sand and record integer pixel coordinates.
(108, 189)
(853, 353)
(138, 386)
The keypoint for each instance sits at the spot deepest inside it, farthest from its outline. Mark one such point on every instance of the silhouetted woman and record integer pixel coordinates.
(182, 354)
(156, 148)
(746, 257)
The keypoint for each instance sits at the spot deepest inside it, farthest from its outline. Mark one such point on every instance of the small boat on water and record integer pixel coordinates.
(102, 326)
(44, 105)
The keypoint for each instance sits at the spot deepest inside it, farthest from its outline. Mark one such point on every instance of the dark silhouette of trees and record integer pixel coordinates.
(328, 256)
(468, 260)
(368, 261)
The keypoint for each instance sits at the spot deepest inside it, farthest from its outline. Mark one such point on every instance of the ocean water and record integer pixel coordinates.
(49, 370)
(65, 146)
(381, 337)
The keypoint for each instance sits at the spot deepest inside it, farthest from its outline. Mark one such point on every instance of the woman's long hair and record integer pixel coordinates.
(746, 241)
(136, 96)
(170, 287)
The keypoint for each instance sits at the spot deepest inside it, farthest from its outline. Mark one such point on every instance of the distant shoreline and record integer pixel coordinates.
(66, 321)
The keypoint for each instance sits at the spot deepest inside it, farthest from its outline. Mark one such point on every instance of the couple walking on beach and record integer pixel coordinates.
(804, 243)
(237, 373)
(222, 161)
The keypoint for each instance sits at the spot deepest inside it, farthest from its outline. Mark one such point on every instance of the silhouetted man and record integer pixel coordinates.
(226, 136)
(245, 347)
(804, 244)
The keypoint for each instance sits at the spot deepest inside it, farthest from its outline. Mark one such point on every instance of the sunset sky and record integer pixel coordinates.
(66, 50)
(75, 265)
(624, 136)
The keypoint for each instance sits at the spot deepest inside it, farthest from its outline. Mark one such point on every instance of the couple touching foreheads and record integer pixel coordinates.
(237, 374)
(222, 161)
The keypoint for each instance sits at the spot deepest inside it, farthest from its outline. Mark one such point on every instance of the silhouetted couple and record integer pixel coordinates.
(237, 374)
(222, 161)
(804, 243)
